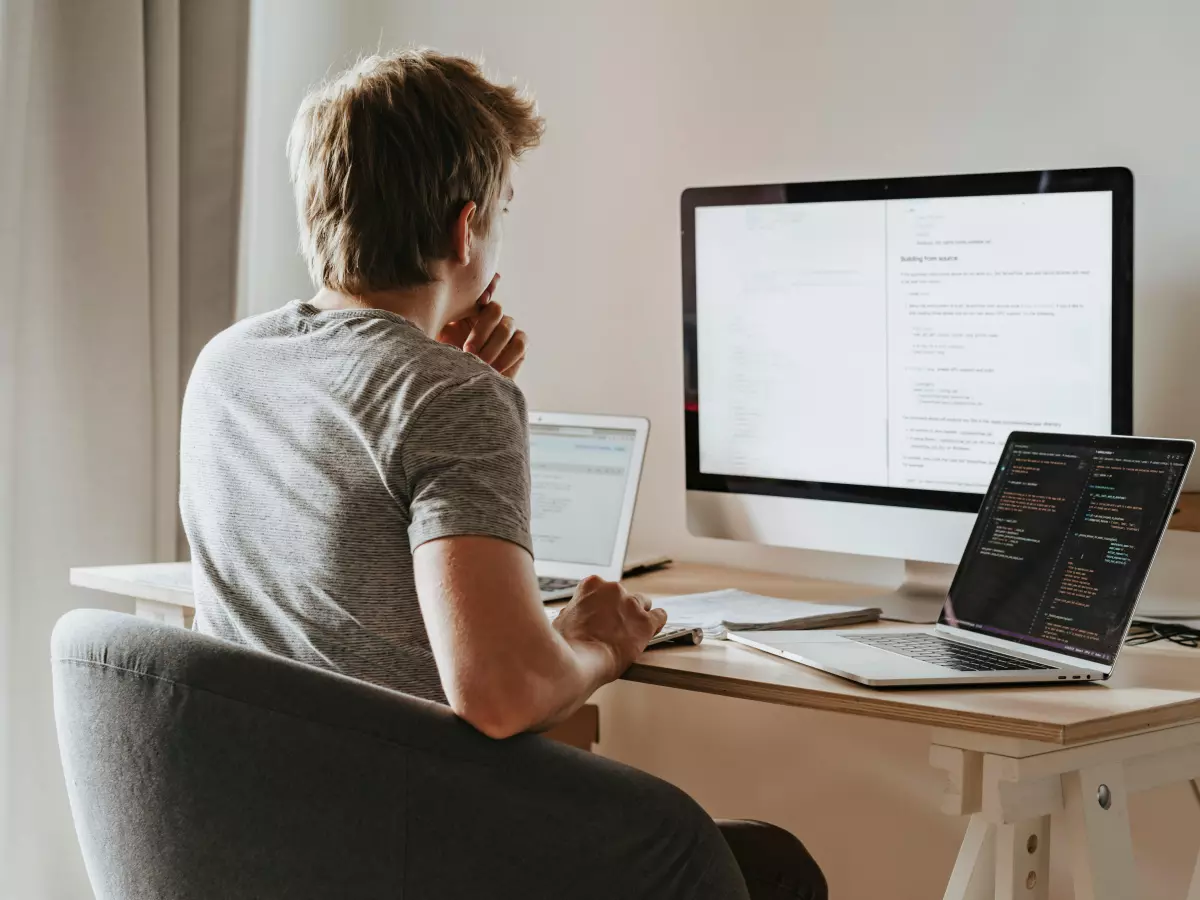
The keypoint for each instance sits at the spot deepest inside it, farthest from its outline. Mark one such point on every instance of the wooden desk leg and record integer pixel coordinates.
(973, 877)
(1004, 862)
(167, 613)
(1097, 819)
(1012, 789)
(582, 730)
(1023, 860)
(1194, 888)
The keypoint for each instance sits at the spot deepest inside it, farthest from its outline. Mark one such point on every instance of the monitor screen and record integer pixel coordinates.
(1064, 540)
(579, 477)
(843, 335)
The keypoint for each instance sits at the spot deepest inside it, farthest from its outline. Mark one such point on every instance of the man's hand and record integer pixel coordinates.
(602, 612)
(489, 334)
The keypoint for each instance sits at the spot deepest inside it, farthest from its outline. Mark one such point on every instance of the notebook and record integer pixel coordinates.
(719, 612)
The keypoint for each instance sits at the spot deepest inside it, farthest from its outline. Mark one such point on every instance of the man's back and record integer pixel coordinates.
(318, 449)
(356, 493)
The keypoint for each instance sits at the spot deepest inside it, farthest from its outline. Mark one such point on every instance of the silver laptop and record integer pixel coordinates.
(1048, 582)
(585, 471)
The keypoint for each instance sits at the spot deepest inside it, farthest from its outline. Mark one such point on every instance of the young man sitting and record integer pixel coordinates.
(354, 467)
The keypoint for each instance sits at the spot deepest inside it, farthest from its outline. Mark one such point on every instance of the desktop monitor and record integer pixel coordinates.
(858, 352)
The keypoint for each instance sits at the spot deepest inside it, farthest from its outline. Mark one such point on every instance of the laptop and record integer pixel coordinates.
(1049, 579)
(585, 472)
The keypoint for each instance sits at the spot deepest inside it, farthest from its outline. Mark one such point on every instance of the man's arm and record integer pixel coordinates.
(504, 667)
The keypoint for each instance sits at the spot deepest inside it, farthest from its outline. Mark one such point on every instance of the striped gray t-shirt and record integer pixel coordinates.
(317, 451)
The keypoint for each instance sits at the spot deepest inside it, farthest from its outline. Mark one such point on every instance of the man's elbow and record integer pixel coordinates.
(498, 714)
(494, 726)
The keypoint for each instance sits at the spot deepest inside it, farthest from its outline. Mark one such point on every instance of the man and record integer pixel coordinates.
(354, 468)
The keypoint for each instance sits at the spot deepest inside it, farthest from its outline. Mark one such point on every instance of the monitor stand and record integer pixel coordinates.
(920, 596)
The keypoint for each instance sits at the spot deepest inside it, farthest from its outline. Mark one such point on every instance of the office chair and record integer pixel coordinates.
(198, 768)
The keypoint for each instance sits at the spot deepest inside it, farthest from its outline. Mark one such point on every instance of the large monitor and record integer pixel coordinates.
(858, 352)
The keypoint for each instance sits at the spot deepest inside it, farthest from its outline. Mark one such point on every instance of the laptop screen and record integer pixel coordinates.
(1064, 540)
(579, 480)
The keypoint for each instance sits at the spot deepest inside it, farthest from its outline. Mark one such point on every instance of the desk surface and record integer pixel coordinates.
(1152, 688)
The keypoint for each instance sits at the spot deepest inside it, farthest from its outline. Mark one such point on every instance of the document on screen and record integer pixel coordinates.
(898, 342)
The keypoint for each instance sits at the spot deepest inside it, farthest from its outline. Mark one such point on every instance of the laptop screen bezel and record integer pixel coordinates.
(641, 429)
(1107, 442)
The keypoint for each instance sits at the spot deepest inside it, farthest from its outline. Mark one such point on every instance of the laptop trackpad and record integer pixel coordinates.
(868, 662)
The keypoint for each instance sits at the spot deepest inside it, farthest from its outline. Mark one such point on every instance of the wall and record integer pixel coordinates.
(646, 98)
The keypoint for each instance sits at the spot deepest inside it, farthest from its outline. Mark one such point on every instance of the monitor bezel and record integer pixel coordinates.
(1115, 179)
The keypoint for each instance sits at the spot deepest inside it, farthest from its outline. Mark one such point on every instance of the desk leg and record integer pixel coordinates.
(581, 730)
(1023, 860)
(1012, 789)
(1002, 862)
(167, 613)
(973, 877)
(1097, 819)
(1194, 888)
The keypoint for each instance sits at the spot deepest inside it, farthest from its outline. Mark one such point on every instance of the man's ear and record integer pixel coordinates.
(461, 236)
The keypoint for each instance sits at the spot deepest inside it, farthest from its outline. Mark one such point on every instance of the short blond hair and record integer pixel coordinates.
(384, 156)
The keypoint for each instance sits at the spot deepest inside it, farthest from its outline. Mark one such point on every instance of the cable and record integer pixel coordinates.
(1142, 632)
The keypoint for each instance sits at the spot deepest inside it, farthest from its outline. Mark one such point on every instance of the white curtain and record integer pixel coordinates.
(119, 162)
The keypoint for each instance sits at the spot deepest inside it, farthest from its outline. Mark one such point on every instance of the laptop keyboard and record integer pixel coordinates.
(948, 654)
(554, 585)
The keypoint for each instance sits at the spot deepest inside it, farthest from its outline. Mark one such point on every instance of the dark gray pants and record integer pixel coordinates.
(774, 863)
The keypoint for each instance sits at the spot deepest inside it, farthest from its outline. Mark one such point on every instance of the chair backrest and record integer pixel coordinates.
(197, 768)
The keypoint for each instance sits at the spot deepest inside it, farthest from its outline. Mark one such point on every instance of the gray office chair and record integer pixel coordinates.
(198, 768)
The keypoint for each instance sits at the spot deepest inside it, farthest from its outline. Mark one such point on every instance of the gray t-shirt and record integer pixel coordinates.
(317, 451)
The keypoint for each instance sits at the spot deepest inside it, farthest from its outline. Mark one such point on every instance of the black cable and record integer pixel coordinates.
(1142, 632)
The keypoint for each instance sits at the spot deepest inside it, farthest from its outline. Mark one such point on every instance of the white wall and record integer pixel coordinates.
(646, 98)
(294, 45)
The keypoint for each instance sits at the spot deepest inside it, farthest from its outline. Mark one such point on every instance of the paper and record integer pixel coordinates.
(719, 612)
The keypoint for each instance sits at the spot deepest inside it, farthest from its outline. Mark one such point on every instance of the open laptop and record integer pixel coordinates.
(585, 471)
(1048, 582)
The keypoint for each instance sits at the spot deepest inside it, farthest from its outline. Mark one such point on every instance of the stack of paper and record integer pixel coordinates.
(719, 612)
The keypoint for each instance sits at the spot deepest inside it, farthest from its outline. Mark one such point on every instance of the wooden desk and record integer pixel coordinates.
(1014, 757)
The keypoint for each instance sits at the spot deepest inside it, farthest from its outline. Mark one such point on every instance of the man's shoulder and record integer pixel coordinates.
(448, 364)
(404, 355)
(422, 369)
(367, 359)
(462, 384)
(358, 339)
(272, 323)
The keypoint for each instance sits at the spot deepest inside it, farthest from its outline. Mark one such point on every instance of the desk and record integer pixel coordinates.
(1013, 757)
